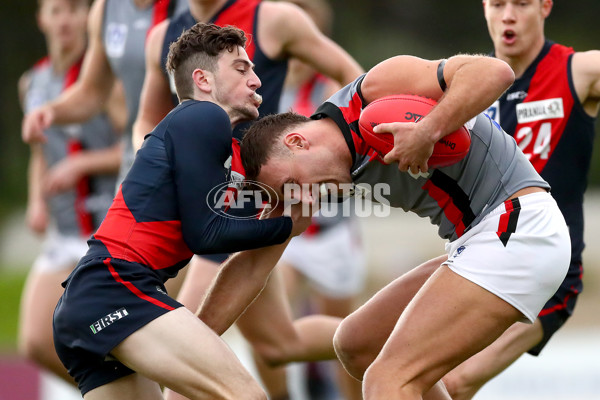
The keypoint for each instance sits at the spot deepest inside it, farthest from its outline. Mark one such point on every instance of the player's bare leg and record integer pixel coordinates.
(466, 379)
(187, 357)
(40, 295)
(358, 347)
(449, 320)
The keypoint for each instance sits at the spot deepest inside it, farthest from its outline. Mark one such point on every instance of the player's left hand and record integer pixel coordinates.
(412, 146)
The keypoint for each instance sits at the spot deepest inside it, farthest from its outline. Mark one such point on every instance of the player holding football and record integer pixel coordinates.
(471, 299)
(558, 142)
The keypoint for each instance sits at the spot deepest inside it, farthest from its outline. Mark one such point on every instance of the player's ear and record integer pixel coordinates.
(202, 80)
(295, 141)
(546, 7)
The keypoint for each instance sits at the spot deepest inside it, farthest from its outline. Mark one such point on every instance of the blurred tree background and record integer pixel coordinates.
(369, 30)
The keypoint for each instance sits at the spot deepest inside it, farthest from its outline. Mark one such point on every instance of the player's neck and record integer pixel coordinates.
(62, 58)
(203, 10)
(336, 142)
(519, 63)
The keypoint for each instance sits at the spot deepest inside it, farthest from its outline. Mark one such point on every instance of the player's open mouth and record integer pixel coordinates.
(509, 36)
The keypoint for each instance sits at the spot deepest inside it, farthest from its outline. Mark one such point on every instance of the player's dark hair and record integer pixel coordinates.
(260, 138)
(200, 47)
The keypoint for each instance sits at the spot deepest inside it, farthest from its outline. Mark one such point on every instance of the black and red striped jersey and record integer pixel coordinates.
(542, 112)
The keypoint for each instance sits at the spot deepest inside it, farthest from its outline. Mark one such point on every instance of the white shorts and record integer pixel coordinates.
(60, 252)
(520, 252)
(333, 260)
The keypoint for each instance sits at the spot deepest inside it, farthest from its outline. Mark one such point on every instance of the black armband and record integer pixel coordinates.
(440, 75)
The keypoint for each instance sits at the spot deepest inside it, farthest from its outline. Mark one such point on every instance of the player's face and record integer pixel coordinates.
(307, 164)
(235, 86)
(63, 22)
(516, 26)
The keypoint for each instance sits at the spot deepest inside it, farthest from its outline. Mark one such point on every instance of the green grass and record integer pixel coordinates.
(11, 285)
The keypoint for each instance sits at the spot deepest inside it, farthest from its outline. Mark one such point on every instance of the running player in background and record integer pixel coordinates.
(71, 176)
(550, 110)
(324, 269)
(117, 33)
(399, 351)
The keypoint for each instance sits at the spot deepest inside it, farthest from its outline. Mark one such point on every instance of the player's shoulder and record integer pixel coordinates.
(158, 31)
(197, 117)
(281, 12)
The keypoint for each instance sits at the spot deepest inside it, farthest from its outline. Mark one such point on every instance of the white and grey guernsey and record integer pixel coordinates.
(76, 212)
(456, 197)
(124, 31)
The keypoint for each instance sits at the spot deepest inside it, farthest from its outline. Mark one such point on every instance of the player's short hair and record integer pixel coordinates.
(200, 47)
(260, 140)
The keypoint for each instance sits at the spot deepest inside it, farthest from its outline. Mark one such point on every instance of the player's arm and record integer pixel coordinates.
(66, 173)
(298, 36)
(85, 98)
(155, 98)
(586, 79)
(201, 141)
(471, 84)
(36, 215)
(239, 281)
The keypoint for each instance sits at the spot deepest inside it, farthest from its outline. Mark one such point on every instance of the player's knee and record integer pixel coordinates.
(353, 355)
(35, 347)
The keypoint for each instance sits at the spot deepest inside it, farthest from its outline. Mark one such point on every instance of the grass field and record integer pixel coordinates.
(11, 285)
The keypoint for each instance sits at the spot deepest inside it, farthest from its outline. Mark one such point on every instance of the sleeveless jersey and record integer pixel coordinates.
(543, 113)
(79, 211)
(244, 15)
(454, 198)
(125, 28)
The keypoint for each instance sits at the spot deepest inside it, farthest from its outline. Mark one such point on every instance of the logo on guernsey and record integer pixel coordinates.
(539, 110)
(108, 320)
(459, 251)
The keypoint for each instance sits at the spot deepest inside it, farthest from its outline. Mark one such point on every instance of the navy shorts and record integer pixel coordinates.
(105, 301)
(560, 306)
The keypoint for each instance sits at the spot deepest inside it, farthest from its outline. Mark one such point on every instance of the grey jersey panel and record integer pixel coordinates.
(93, 135)
(494, 169)
(124, 31)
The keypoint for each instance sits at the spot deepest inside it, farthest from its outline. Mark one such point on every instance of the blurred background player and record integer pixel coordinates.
(71, 176)
(117, 33)
(324, 268)
(278, 31)
(550, 110)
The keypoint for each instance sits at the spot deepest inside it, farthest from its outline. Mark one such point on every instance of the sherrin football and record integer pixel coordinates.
(410, 108)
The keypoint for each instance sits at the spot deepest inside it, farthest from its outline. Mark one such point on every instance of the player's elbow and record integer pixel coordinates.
(503, 73)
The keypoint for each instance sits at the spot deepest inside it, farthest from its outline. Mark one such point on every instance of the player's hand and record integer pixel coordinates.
(412, 146)
(35, 123)
(63, 176)
(300, 217)
(36, 216)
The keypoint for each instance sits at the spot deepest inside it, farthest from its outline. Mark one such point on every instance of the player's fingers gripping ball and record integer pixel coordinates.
(410, 108)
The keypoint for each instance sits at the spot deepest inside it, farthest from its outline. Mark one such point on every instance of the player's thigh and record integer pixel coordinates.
(130, 387)
(370, 325)
(449, 320)
(40, 295)
(199, 275)
(182, 353)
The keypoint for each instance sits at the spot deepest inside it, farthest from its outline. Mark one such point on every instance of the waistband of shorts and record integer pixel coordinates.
(531, 199)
